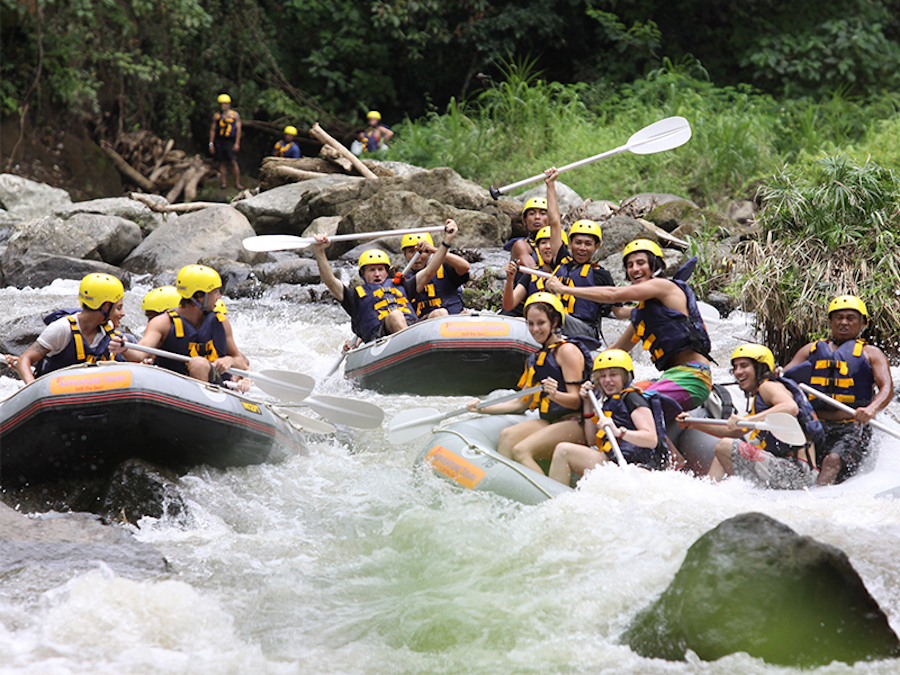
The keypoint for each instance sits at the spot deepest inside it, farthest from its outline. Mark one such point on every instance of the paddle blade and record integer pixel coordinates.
(410, 424)
(708, 313)
(660, 136)
(308, 423)
(284, 384)
(784, 427)
(275, 242)
(349, 411)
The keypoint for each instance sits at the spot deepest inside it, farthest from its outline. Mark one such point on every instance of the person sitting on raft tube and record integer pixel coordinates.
(519, 285)
(442, 295)
(379, 306)
(634, 419)
(561, 366)
(852, 372)
(160, 299)
(765, 460)
(666, 321)
(193, 329)
(83, 337)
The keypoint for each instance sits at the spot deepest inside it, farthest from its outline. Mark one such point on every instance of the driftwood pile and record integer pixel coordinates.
(155, 166)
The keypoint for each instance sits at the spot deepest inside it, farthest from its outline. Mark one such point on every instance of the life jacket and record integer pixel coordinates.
(843, 373)
(810, 423)
(542, 364)
(284, 149)
(508, 246)
(666, 332)
(226, 124)
(581, 275)
(439, 292)
(77, 350)
(376, 301)
(615, 407)
(208, 341)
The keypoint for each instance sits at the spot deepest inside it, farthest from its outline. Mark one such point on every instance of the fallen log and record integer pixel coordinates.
(290, 172)
(195, 175)
(662, 234)
(125, 168)
(322, 136)
(170, 208)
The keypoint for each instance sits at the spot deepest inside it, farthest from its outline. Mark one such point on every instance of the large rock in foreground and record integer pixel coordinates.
(754, 585)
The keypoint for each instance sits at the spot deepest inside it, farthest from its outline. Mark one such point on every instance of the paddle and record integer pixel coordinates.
(348, 411)
(411, 424)
(707, 312)
(613, 441)
(287, 242)
(308, 423)
(399, 276)
(782, 426)
(846, 408)
(659, 136)
(283, 384)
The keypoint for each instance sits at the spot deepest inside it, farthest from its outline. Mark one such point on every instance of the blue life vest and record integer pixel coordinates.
(439, 292)
(76, 351)
(285, 149)
(208, 341)
(615, 407)
(542, 364)
(376, 301)
(582, 276)
(508, 246)
(226, 125)
(810, 423)
(843, 373)
(666, 332)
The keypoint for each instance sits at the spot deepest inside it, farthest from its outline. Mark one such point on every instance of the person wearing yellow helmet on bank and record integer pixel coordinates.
(378, 306)
(666, 321)
(192, 329)
(287, 147)
(634, 419)
(764, 460)
(442, 294)
(83, 337)
(851, 371)
(560, 366)
(376, 135)
(225, 140)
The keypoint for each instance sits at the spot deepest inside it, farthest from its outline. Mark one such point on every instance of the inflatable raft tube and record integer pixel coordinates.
(84, 420)
(460, 355)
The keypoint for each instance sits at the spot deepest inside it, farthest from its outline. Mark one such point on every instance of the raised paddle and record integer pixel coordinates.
(658, 137)
(613, 441)
(411, 424)
(284, 384)
(782, 426)
(846, 408)
(287, 242)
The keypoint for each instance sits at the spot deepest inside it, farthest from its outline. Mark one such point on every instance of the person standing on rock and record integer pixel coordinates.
(852, 372)
(379, 306)
(83, 337)
(442, 294)
(193, 329)
(225, 140)
(288, 146)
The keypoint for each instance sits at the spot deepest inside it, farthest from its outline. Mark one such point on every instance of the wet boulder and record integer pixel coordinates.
(16, 335)
(25, 199)
(295, 271)
(137, 489)
(37, 270)
(270, 212)
(754, 585)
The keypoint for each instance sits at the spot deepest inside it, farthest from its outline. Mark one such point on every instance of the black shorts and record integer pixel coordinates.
(215, 377)
(223, 150)
(847, 440)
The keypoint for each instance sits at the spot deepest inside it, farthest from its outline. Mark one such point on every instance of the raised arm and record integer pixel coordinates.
(553, 213)
(325, 272)
(425, 275)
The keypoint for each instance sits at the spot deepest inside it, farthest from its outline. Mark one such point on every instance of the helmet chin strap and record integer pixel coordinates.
(202, 305)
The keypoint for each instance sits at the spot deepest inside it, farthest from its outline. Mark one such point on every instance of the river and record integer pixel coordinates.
(349, 561)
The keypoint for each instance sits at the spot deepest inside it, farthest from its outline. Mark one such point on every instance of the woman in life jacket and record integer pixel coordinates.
(559, 367)
(764, 460)
(627, 414)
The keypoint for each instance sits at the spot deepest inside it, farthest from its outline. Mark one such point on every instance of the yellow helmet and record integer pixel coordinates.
(373, 114)
(224, 98)
(161, 299)
(220, 307)
(754, 352)
(534, 203)
(548, 298)
(585, 226)
(98, 288)
(848, 302)
(290, 130)
(413, 239)
(614, 358)
(544, 233)
(373, 256)
(193, 279)
(642, 245)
